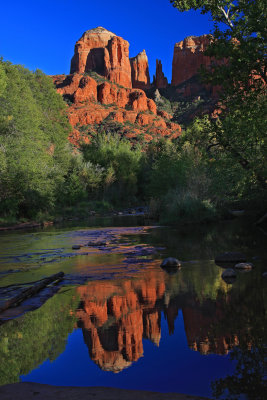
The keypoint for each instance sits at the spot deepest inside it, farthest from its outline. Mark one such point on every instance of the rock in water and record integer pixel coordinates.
(229, 275)
(171, 262)
(244, 266)
(76, 247)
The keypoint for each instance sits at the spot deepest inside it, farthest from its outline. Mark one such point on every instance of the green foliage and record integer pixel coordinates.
(39, 335)
(116, 165)
(34, 152)
(239, 135)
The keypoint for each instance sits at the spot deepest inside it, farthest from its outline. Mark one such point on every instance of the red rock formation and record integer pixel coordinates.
(90, 100)
(140, 71)
(102, 51)
(160, 81)
(117, 63)
(188, 57)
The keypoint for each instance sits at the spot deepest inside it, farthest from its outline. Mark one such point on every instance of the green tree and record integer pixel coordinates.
(239, 46)
(34, 151)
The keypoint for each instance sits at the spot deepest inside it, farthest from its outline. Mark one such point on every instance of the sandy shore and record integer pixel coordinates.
(36, 391)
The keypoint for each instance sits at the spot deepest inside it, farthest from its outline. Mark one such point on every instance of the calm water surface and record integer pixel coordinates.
(131, 324)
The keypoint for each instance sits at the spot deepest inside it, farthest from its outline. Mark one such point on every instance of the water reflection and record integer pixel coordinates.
(115, 317)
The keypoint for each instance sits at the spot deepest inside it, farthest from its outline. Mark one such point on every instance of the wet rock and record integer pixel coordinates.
(230, 257)
(171, 262)
(76, 247)
(98, 243)
(244, 266)
(229, 275)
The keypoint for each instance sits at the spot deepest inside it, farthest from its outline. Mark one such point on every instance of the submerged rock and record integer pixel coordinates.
(229, 275)
(171, 262)
(244, 266)
(76, 247)
(99, 243)
(264, 275)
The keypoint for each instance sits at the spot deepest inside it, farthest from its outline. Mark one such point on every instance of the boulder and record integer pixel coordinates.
(244, 265)
(76, 247)
(171, 262)
(229, 275)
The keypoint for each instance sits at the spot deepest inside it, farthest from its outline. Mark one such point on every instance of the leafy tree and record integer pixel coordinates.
(239, 46)
(34, 151)
(121, 163)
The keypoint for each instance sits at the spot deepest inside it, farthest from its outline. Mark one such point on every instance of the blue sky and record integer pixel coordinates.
(42, 33)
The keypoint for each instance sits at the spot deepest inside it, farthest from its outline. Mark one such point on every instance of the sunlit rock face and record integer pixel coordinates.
(102, 51)
(116, 317)
(188, 57)
(140, 71)
(104, 85)
(88, 101)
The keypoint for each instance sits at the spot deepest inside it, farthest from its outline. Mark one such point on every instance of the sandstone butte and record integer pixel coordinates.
(115, 317)
(106, 85)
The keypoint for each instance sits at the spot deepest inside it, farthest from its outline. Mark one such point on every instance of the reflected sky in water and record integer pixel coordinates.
(149, 329)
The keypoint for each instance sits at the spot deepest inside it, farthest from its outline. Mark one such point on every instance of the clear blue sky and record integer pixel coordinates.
(42, 33)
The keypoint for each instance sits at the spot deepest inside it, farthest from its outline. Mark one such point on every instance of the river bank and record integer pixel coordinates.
(36, 391)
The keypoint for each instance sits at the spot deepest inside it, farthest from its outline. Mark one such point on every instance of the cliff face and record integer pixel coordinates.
(188, 57)
(102, 51)
(140, 71)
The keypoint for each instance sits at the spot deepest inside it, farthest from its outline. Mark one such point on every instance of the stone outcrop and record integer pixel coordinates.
(140, 71)
(102, 51)
(105, 85)
(188, 57)
(160, 81)
(93, 102)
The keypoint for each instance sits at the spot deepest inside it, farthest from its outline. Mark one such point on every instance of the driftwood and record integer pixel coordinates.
(30, 291)
(261, 219)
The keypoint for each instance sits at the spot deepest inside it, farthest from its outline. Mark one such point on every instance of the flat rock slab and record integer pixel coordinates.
(246, 266)
(36, 391)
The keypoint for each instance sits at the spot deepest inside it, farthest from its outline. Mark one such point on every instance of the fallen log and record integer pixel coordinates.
(30, 291)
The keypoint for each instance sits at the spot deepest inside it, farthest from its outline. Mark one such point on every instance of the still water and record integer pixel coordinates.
(129, 324)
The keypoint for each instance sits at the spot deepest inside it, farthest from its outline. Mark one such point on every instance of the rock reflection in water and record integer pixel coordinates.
(115, 317)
